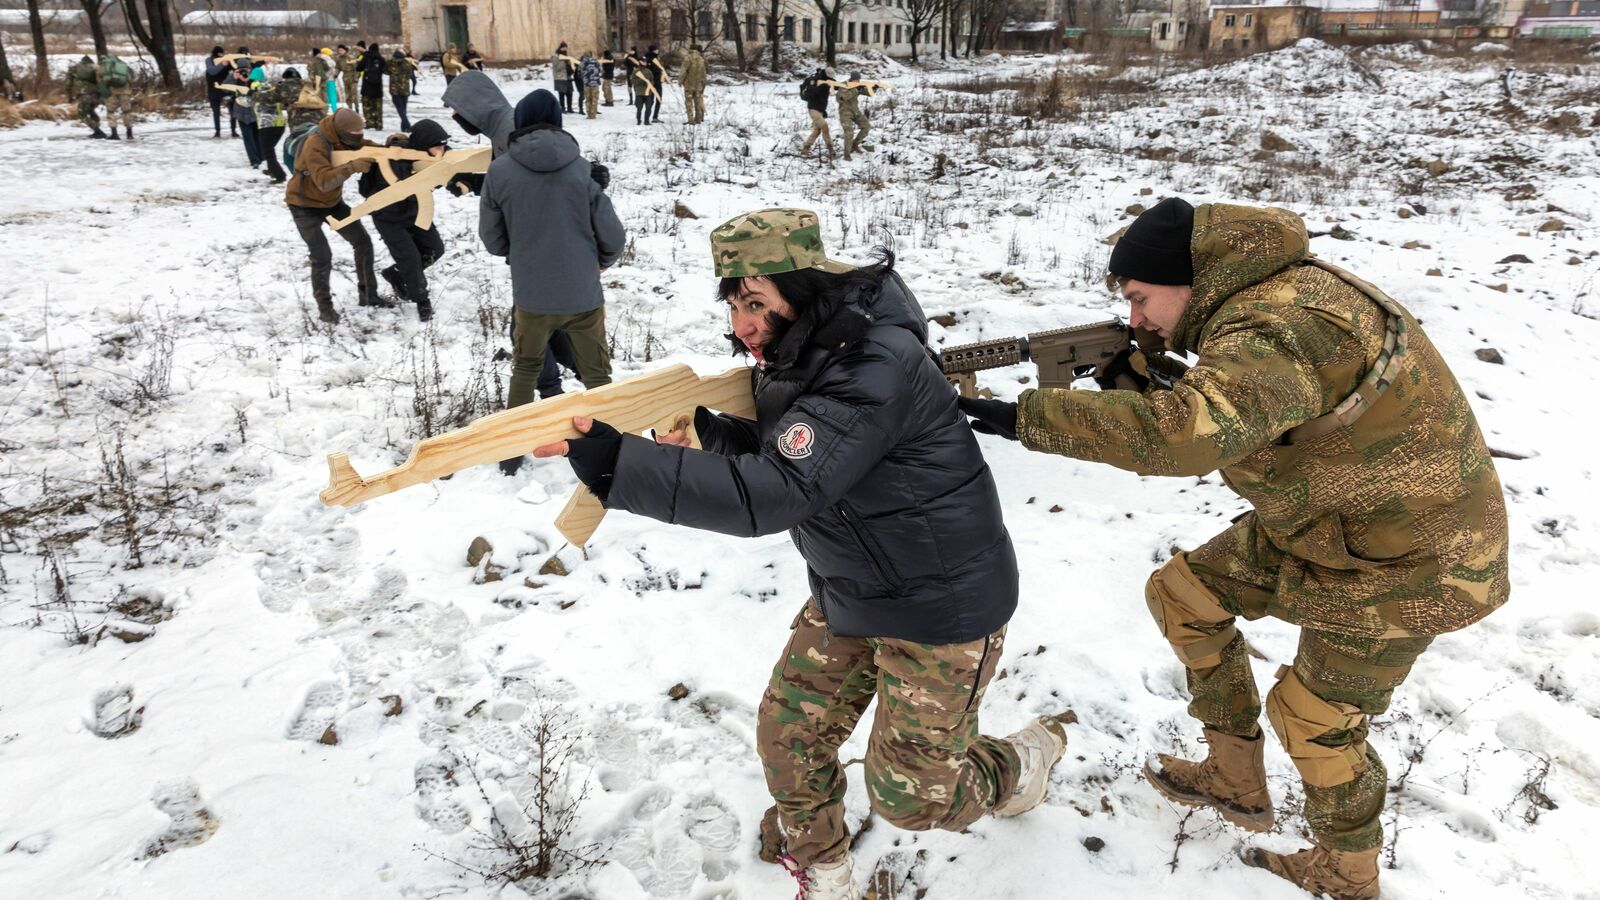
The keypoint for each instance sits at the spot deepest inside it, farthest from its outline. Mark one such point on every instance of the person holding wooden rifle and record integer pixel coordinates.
(216, 72)
(413, 249)
(858, 451)
(815, 92)
(561, 74)
(544, 211)
(315, 191)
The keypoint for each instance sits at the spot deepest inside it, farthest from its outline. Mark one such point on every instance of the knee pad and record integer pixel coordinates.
(1179, 602)
(1298, 717)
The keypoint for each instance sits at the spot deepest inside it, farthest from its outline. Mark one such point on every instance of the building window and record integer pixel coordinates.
(850, 29)
(877, 32)
(1227, 21)
(1248, 17)
(788, 28)
(805, 30)
(750, 32)
(1180, 27)
(1299, 18)
(1244, 43)
(680, 25)
(1227, 43)
(704, 31)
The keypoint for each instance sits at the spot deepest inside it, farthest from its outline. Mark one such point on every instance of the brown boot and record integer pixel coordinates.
(1340, 874)
(1231, 780)
(772, 843)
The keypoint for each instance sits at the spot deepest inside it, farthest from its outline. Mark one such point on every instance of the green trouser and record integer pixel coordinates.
(372, 110)
(927, 766)
(1346, 680)
(87, 114)
(530, 336)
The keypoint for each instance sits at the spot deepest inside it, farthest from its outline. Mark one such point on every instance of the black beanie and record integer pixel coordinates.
(538, 108)
(1155, 248)
(426, 134)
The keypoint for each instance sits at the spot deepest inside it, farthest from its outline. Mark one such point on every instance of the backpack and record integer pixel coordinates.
(118, 75)
(291, 147)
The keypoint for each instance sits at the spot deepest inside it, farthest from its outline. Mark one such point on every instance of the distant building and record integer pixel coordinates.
(1379, 16)
(503, 29)
(1168, 33)
(259, 21)
(1251, 27)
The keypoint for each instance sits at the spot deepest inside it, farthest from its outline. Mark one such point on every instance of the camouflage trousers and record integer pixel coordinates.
(87, 112)
(855, 127)
(926, 764)
(694, 104)
(1322, 705)
(372, 110)
(119, 109)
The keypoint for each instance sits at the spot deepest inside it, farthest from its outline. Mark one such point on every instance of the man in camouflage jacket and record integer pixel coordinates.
(401, 69)
(84, 86)
(1378, 519)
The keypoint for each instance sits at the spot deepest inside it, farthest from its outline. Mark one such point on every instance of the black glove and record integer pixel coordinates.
(991, 416)
(600, 174)
(594, 457)
(466, 126)
(1123, 372)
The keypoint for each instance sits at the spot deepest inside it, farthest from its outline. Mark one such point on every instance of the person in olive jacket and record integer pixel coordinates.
(858, 451)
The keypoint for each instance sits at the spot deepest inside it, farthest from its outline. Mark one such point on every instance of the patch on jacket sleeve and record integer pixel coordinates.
(796, 441)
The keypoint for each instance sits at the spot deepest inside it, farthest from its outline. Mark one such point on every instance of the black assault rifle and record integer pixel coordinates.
(1063, 355)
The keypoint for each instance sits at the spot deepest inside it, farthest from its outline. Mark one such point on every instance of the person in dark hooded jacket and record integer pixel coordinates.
(542, 209)
(859, 451)
(413, 249)
(372, 68)
(217, 70)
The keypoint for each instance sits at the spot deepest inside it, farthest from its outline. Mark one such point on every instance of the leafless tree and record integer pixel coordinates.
(95, 10)
(41, 63)
(831, 10)
(920, 16)
(154, 31)
(730, 13)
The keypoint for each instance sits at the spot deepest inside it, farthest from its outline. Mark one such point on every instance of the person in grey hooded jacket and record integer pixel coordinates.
(542, 209)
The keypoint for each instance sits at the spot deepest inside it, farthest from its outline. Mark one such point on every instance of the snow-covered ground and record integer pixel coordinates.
(159, 360)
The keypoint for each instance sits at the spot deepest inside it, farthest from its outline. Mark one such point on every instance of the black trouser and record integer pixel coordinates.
(252, 149)
(309, 221)
(216, 98)
(643, 106)
(400, 101)
(557, 357)
(564, 90)
(414, 250)
(448, 79)
(267, 146)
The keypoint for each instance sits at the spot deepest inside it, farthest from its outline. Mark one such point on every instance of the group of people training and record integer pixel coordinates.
(1377, 524)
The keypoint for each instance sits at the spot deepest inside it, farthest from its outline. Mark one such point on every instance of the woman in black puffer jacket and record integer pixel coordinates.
(859, 451)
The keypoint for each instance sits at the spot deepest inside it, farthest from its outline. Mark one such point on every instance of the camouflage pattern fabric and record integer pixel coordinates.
(83, 85)
(119, 108)
(372, 111)
(1360, 671)
(399, 76)
(350, 75)
(927, 766)
(770, 241)
(852, 121)
(1391, 526)
(693, 73)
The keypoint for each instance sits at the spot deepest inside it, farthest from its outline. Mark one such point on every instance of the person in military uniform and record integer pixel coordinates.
(693, 78)
(348, 64)
(858, 451)
(116, 82)
(83, 86)
(1378, 519)
(372, 71)
(646, 90)
(401, 71)
(852, 121)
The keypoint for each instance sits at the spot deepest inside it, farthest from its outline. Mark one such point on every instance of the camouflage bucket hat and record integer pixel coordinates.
(771, 241)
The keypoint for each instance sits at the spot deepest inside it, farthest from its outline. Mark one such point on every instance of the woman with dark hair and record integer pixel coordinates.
(858, 450)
